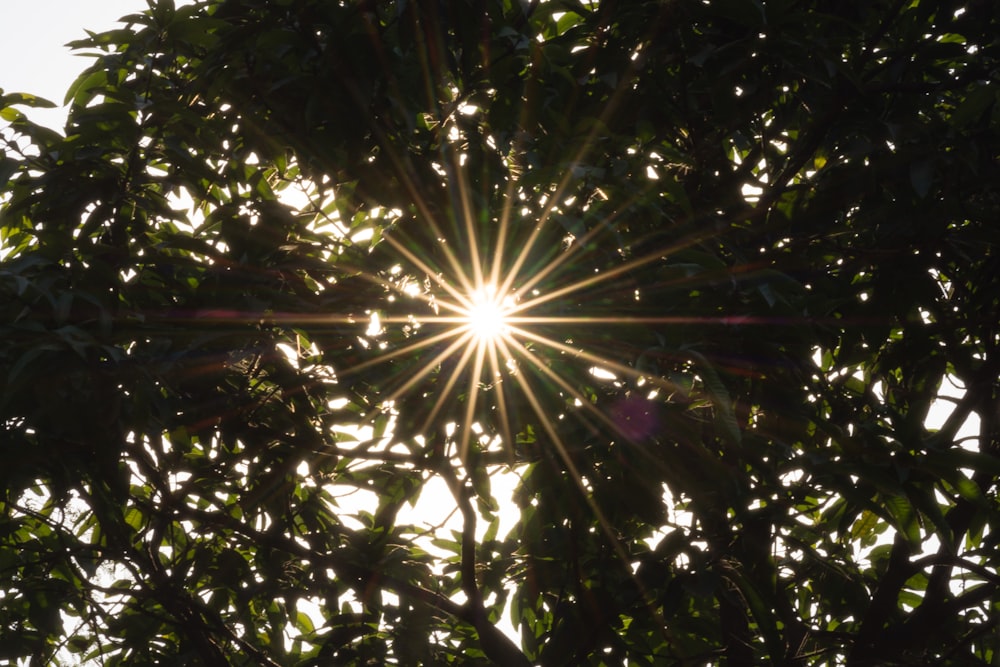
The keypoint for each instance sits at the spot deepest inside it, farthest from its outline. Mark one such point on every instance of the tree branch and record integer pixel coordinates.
(867, 646)
(496, 645)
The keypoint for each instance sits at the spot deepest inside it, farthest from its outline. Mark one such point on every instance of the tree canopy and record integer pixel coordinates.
(745, 367)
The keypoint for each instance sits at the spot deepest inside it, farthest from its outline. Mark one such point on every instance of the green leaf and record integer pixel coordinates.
(86, 87)
(26, 99)
(722, 403)
(11, 114)
(905, 516)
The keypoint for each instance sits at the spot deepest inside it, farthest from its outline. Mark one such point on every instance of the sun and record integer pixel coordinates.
(487, 316)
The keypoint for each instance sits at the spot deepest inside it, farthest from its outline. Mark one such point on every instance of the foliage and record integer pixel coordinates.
(771, 224)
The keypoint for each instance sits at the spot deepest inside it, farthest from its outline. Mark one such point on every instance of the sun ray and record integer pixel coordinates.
(452, 291)
(473, 396)
(585, 404)
(425, 370)
(416, 346)
(450, 383)
(501, 281)
(553, 200)
(499, 251)
(595, 359)
(466, 212)
(579, 244)
(606, 527)
(404, 174)
(501, 399)
(428, 367)
(610, 274)
(546, 424)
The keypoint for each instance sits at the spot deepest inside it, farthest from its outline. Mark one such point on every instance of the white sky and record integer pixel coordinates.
(33, 34)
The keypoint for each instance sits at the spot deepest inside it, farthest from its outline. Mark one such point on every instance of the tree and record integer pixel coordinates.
(750, 245)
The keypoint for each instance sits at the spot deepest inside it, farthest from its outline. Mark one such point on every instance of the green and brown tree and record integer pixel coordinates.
(743, 248)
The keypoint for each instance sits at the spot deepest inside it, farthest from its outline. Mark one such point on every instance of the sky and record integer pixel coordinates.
(33, 55)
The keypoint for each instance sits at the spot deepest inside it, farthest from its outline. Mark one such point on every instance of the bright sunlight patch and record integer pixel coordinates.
(487, 316)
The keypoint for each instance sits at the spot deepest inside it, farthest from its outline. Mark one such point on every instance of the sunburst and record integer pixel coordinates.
(483, 315)
(478, 324)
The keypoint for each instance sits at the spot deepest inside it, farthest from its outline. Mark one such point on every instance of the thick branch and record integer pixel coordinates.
(867, 645)
(496, 645)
